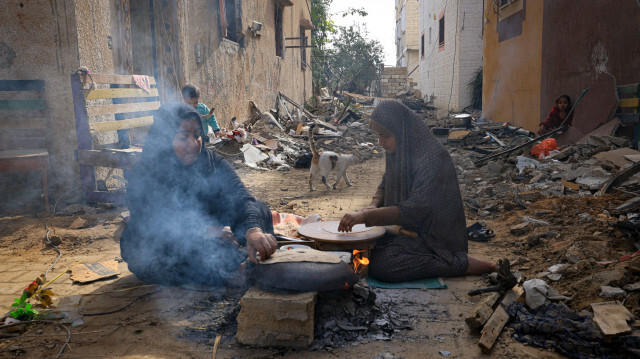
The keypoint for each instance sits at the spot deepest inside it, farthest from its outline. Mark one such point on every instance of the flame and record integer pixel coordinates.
(359, 262)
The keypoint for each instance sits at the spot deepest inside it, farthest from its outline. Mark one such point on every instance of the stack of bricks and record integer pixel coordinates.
(394, 80)
(276, 319)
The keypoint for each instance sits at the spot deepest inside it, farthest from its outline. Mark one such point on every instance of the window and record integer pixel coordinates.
(303, 50)
(441, 32)
(430, 35)
(230, 20)
(279, 33)
(504, 3)
(422, 45)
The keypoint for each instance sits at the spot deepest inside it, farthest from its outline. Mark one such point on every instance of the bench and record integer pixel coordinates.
(109, 103)
(628, 111)
(23, 123)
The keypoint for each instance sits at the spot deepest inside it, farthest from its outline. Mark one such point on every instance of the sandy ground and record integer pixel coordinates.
(155, 325)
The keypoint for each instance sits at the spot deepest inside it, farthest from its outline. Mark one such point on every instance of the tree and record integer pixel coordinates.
(354, 60)
(342, 57)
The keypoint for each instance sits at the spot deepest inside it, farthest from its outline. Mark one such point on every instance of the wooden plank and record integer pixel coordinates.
(629, 102)
(633, 89)
(23, 124)
(21, 95)
(482, 312)
(97, 127)
(496, 323)
(21, 85)
(118, 93)
(117, 79)
(38, 104)
(105, 158)
(21, 143)
(24, 153)
(24, 164)
(122, 108)
(611, 318)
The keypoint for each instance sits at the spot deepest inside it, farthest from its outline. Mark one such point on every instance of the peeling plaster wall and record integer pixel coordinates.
(40, 34)
(232, 75)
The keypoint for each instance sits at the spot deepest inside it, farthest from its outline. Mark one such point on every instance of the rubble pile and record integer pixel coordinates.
(568, 218)
(278, 139)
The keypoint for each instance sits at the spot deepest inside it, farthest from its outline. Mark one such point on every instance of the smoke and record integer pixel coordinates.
(173, 206)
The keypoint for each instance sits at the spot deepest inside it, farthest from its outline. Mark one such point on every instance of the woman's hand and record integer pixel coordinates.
(349, 220)
(259, 242)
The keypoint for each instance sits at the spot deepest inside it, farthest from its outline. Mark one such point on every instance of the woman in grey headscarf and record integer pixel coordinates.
(419, 191)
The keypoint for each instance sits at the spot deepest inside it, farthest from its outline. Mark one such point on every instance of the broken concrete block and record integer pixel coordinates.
(521, 229)
(494, 167)
(594, 179)
(632, 287)
(554, 190)
(79, 223)
(611, 292)
(611, 277)
(276, 319)
(485, 191)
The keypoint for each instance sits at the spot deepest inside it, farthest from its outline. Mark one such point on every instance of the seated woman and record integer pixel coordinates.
(557, 115)
(178, 194)
(419, 191)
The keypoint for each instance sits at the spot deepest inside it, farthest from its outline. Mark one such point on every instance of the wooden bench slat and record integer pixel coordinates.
(632, 89)
(117, 79)
(37, 104)
(104, 158)
(21, 143)
(37, 152)
(21, 85)
(97, 127)
(122, 108)
(21, 95)
(23, 124)
(630, 102)
(118, 93)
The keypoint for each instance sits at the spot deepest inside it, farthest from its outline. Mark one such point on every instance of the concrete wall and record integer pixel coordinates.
(445, 71)
(407, 32)
(602, 37)
(232, 75)
(512, 63)
(39, 42)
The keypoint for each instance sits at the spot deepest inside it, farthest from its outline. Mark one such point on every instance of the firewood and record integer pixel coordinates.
(496, 323)
(482, 312)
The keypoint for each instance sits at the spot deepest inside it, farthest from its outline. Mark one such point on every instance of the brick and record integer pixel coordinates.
(276, 319)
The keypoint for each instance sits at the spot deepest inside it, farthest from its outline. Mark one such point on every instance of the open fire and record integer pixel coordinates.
(359, 262)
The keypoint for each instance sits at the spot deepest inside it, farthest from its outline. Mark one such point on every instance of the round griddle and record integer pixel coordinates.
(326, 234)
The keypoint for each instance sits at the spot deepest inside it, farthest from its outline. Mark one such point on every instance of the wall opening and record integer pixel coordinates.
(279, 33)
(303, 50)
(441, 32)
(422, 46)
(230, 21)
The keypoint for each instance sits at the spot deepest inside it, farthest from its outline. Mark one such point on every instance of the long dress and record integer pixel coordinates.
(172, 205)
(421, 180)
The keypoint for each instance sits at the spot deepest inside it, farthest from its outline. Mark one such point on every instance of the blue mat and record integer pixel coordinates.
(429, 283)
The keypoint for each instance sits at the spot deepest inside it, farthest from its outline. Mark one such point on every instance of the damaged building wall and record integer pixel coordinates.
(39, 42)
(600, 37)
(407, 33)
(447, 67)
(512, 62)
(231, 73)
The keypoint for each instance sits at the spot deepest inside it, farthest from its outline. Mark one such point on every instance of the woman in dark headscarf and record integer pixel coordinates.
(180, 195)
(419, 191)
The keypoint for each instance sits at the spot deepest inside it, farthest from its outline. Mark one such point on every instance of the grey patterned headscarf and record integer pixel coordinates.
(420, 178)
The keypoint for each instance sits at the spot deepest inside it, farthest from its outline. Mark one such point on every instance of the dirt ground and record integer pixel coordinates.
(160, 324)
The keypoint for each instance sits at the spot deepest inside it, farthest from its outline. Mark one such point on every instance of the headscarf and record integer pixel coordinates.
(420, 178)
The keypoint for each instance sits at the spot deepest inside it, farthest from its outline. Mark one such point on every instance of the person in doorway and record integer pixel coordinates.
(191, 96)
(557, 115)
(419, 191)
(180, 196)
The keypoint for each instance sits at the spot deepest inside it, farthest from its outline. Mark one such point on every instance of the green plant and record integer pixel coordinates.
(23, 309)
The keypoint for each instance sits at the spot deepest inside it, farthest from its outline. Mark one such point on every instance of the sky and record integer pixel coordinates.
(380, 22)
